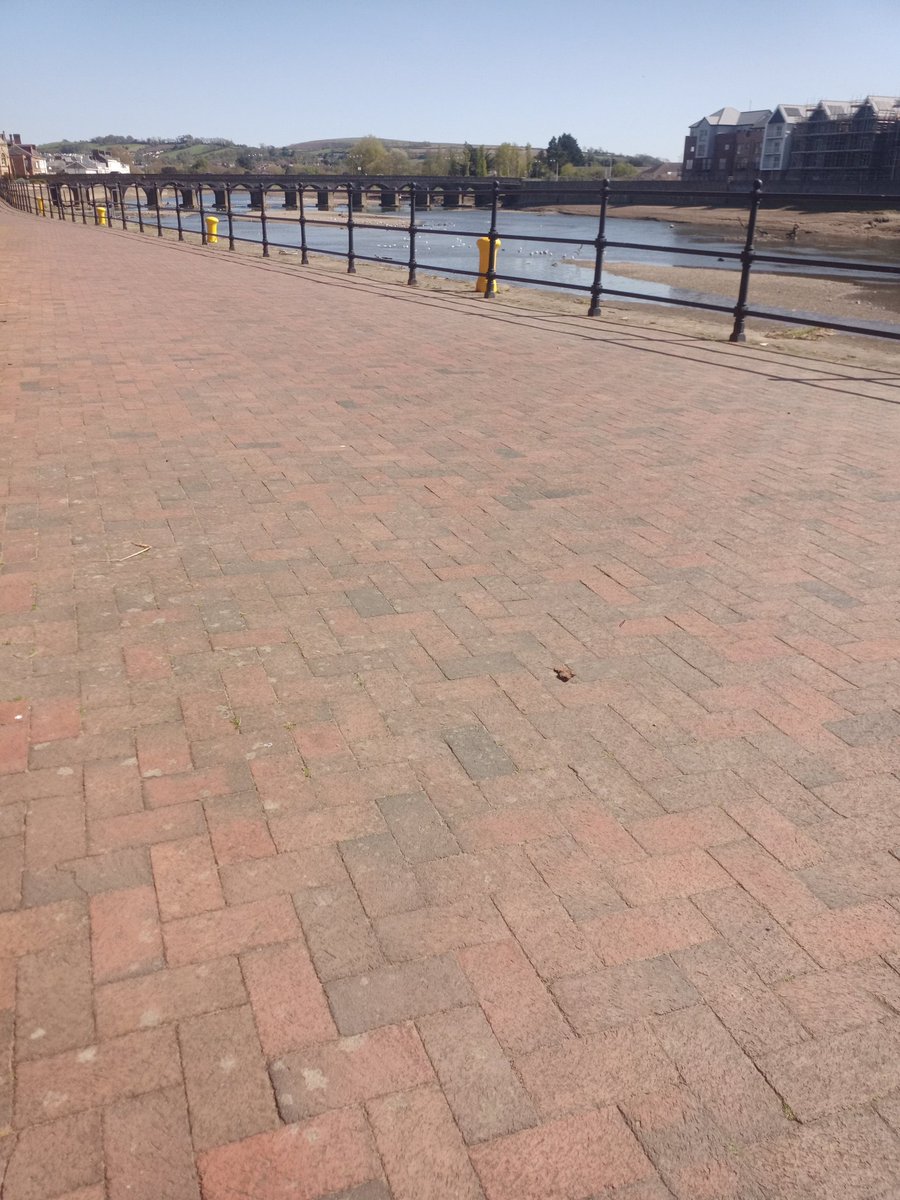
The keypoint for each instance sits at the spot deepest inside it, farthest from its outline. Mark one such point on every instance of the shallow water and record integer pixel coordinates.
(446, 243)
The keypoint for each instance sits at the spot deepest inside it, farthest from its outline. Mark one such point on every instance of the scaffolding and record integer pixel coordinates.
(848, 142)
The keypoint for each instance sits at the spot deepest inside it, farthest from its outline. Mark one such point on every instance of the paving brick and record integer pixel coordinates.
(574, 876)
(55, 720)
(302, 831)
(186, 878)
(646, 932)
(439, 928)
(546, 933)
(72, 1082)
(148, 1149)
(288, 1002)
(596, 1070)
(128, 868)
(752, 688)
(478, 753)
(754, 934)
(384, 880)
(599, 833)
(849, 934)
(58, 1157)
(860, 797)
(230, 931)
(397, 993)
(112, 788)
(170, 995)
(820, 1077)
(852, 1154)
(518, 1005)
(162, 750)
(280, 874)
(421, 1148)
(228, 1090)
(418, 827)
(477, 1079)
(830, 1002)
(679, 832)
(793, 848)
(34, 929)
(720, 1075)
(55, 1000)
(667, 876)
(145, 828)
(753, 1015)
(867, 728)
(54, 831)
(340, 937)
(328, 1155)
(348, 1071)
(13, 749)
(576, 1156)
(622, 995)
(125, 936)
(686, 1146)
(182, 789)
(785, 896)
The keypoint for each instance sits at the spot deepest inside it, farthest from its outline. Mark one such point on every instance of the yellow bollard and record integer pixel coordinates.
(484, 250)
(40, 204)
(212, 231)
(101, 214)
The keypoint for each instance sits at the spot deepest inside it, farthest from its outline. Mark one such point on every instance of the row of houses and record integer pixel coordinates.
(833, 143)
(23, 160)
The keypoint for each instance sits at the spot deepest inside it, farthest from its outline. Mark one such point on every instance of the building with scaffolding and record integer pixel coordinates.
(842, 143)
(832, 145)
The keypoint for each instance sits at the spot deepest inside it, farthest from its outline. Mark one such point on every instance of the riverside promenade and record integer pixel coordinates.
(446, 752)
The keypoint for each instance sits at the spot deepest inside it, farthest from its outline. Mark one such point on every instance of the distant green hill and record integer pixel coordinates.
(326, 155)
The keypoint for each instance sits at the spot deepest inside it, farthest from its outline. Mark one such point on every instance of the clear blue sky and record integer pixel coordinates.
(626, 76)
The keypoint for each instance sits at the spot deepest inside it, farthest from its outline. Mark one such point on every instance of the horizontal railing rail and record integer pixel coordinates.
(116, 202)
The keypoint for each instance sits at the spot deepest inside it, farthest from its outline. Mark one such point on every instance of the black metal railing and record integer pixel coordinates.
(75, 198)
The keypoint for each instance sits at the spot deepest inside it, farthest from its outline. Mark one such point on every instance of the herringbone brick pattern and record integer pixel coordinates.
(317, 880)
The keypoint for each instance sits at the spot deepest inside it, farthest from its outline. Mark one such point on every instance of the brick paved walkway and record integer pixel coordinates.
(316, 880)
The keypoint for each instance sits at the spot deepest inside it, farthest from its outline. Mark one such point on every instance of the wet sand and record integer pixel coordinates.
(850, 228)
(837, 298)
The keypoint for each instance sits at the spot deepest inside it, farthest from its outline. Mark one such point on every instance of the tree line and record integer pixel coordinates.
(562, 158)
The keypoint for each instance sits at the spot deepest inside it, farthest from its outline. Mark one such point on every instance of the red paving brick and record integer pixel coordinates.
(315, 879)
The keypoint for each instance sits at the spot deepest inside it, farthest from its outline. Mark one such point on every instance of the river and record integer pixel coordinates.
(542, 264)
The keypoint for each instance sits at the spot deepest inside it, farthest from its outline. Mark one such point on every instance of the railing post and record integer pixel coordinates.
(351, 257)
(45, 205)
(178, 212)
(262, 217)
(600, 243)
(412, 280)
(304, 249)
(137, 197)
(121, 192)
(81, 202)
(71, 202)
(108, 205)
(156, 194)
(747, 256)
(94, 204)
(202, 214)
(491, 274)
(230, 216)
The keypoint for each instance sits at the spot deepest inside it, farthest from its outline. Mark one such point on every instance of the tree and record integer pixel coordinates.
(368, 156)
(507, 160)
(564, 149)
